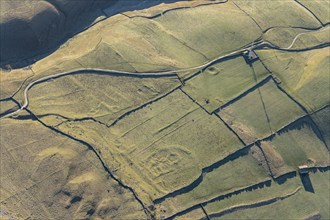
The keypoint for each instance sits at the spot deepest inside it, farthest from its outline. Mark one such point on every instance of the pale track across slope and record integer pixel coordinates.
(305, 33)
(148, 74)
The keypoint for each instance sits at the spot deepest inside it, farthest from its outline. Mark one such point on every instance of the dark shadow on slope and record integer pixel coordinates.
(131, 5)
(261, 185)
(44, 26)
(25, 41)
(302, 122)
(257, 186)
(240, 153)
(296, 125)
(252, 205)
(307, 183)
(6, 111)
(283, 178)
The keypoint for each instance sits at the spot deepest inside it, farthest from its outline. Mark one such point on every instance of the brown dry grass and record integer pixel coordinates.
(48, 176)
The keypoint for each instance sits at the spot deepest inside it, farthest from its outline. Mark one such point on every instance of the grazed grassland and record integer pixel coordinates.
(103, 97)
(230, 177)
(7, 106)
(222, 82)
(168, 142)
(268, 192)
(140, 44)
(320, 8)
(269, 13)
(271, 110)
(302, 205)
(322, 119)
(304, 75)
(45, 175)
(222, 140)
(297, 38)
(300, 144)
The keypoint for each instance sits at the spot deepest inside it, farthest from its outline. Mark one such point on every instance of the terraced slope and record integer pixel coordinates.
(174, 112)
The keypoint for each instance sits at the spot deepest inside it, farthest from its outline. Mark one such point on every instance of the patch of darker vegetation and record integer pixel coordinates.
(91, 212)
(75, 199)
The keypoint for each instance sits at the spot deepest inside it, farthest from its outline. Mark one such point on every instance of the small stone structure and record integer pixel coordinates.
(250, 56)
(304, 169)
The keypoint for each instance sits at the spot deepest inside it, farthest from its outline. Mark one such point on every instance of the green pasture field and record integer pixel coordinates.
(322, 119)
(313, 39)
(222, 82)
(174, 143)
(261, 112)
(302, 205)
(254, 196)
(194, 214)
(320, 8)
(234, 175)
(300, 145)
(304, 75)
(269, 13)
(168, 142)
(103, 97)
(149, 45)
(210, 30)
(174, 138)
(283, 37)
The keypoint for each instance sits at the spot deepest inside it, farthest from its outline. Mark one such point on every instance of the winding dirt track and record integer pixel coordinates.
(123, 73)
(252, 46)
(304, 33)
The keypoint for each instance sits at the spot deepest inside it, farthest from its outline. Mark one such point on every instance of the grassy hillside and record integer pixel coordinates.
(271, 110)
(55, 177)
(32, 27)
(219, 208)
(103, 97)
(221, 82)
(320, 8)
(322, 118)
(297, 38)
(179, 131)
(298, 145)
(304, 75)
(160, 113)
(230, 177)
(270, 13)
(7, 106)
(302, 205)
(140, 44)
